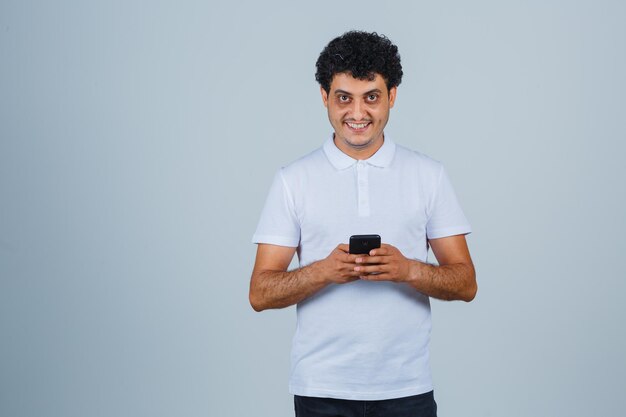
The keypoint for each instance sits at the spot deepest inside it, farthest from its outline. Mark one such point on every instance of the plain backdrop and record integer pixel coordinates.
(138, 141)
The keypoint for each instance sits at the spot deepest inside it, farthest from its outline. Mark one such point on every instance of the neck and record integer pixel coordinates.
(359, 152)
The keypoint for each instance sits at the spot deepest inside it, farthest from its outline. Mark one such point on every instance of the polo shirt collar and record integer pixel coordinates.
(382, 158)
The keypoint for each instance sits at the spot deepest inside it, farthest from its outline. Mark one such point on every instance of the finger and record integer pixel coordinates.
(376, 277)
(352, 274)
(349, 258)
(370, 269)
(348, 267)
(343, 247)
(380, 251)
(371, 260)
(347, 273)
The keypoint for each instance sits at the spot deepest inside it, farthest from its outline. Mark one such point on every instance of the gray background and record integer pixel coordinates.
(138, 141)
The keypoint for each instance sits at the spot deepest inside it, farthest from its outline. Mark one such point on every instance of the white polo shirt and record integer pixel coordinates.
(362, 340)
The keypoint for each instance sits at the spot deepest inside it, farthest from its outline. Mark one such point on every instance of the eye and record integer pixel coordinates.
(344, 98)
(372, 97)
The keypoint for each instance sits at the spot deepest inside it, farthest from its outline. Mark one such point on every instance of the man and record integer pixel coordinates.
(361, 343)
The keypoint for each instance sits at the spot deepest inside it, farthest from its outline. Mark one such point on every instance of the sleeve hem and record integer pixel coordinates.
(449, 231)
(275, 240)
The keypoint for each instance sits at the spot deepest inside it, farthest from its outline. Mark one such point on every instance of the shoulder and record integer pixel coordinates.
(307, 164)
(302, 172)
(406, 158)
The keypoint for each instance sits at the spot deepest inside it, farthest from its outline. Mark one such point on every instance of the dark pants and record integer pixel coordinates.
(422, 405)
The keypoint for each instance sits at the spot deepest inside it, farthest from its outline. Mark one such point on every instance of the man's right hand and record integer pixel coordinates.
(337, 267)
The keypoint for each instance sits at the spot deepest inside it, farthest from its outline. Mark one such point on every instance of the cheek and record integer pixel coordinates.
(381, 114)
(338, 114)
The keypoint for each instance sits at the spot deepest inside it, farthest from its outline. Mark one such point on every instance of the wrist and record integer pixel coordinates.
(417, 270)
(315, 272)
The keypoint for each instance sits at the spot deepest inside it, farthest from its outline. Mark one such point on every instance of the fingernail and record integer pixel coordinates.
(356, 268)
(359, 260)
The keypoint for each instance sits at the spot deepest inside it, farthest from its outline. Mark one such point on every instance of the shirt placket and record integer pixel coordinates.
(363, 188)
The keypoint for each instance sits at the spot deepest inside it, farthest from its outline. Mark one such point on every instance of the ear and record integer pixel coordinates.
(324, 96)
(392, 96)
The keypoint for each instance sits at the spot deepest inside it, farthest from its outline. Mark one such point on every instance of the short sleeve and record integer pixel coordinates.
(279, 223)
(446, 217)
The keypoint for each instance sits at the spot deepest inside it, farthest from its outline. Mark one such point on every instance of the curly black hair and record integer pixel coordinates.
(361, 54)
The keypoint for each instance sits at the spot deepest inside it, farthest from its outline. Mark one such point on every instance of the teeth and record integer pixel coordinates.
(357, 125)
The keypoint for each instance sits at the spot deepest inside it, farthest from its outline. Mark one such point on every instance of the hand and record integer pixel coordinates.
(338, 266)
(386, 263)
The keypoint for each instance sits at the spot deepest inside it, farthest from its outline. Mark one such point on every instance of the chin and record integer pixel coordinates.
(360, 144)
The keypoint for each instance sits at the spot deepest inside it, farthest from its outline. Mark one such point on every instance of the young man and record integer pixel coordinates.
(361, 343)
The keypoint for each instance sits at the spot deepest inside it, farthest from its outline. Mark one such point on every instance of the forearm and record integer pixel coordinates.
(445, 282)
(279, 289)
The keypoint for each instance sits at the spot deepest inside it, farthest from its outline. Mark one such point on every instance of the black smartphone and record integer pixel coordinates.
(363, 244)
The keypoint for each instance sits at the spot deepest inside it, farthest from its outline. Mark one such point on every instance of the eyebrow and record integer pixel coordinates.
(376, 90)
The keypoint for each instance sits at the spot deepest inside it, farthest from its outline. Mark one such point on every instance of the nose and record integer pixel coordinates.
(358, 110)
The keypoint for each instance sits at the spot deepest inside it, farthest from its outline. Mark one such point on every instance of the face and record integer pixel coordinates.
(358, 110)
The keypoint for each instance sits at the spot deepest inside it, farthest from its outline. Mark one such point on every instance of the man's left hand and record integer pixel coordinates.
(386, 263)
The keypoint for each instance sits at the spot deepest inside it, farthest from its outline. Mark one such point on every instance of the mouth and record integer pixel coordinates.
(357, 127)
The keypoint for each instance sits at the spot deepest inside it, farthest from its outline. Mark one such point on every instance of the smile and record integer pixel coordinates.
(358, 125)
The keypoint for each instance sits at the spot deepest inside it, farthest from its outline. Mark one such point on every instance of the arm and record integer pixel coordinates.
(272, 286)
(453, 279)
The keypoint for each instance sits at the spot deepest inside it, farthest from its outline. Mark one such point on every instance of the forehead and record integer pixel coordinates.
(346, 82)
